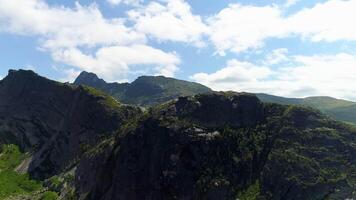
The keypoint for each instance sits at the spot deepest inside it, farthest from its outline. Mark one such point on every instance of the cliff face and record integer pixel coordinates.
(223, 146)
(53, 120)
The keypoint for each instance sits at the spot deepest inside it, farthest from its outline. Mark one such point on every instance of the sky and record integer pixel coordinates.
(292, 48)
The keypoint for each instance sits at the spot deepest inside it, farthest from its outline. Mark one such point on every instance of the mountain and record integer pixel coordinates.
(52, 122)
(145, 90)
(76, 142)
(224, 146)
(336, 108)
(151, 90)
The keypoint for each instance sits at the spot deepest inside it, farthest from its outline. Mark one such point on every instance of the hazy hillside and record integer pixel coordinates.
(78, 143)
(336, 108)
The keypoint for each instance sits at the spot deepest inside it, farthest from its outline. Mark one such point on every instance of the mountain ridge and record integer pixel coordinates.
(146, 92)
(338, 109)
(218, 145)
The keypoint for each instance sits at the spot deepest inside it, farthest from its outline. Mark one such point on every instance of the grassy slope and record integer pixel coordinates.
(11, 182)
(14, 185)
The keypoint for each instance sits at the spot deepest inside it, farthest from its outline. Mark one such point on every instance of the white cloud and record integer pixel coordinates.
(277, 56)
(69, 74)
(236, 75)
(290, 3)
(172, 20)
(329, 21)
(65, 27)
(82, 38)
(238, 28)
(128, 2)
(115, 60)
(329, 75)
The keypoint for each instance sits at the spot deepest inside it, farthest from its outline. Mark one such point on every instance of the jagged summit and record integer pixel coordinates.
(21, 71)
(88, 77)
(20, 75)
(85, 75)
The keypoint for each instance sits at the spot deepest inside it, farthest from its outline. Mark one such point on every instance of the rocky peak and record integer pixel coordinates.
(20, 76)
(88, 78)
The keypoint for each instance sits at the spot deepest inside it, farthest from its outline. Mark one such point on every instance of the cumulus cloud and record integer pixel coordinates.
(235, 72)
(67, 74)
(66, 33)
(82, 38)
(277, 56)
(63, 27)
(170, 20)
(238, 28)
(115, 60)
(330, 75)
(290, 3)
(329, 21)
(128, 2)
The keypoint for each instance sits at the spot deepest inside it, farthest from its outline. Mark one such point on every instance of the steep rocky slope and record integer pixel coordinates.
(145, 90)
(54, 121)
(223, 146)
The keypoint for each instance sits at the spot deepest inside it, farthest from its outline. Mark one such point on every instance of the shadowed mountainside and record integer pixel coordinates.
(53, 120)
(224, 146)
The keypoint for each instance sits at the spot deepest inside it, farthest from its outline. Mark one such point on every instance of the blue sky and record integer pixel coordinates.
(293, 48)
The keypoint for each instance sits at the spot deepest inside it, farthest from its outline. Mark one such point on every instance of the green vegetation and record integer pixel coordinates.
(251, 193)
(55, 183)
(108, 101)
(10, 157)
(11, 182)
(49, 196)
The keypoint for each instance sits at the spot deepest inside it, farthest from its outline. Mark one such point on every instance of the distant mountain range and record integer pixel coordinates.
(145, 90)
(152, 90)
(63, 141)
(338, 109)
